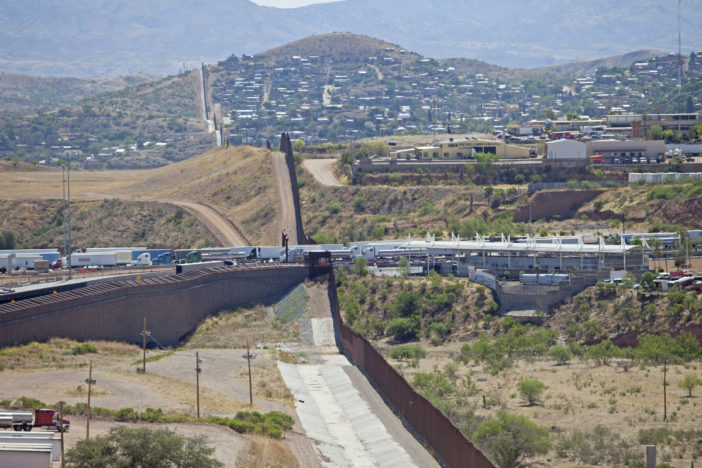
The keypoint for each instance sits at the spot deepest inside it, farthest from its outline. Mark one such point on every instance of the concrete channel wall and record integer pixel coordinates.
(173, 305)
(424, 419)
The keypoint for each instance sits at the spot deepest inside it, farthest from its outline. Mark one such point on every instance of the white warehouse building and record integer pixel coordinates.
(566, 149)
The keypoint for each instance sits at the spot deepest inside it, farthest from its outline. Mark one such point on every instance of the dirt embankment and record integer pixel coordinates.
(550, 203)
(687, 213)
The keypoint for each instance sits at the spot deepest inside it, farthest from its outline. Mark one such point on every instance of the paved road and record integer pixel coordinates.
(283, 188)
(223, 229)
(323, 171)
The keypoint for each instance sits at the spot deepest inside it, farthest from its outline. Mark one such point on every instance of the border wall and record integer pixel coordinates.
(286, 147)
(424, 419)
(173, 305)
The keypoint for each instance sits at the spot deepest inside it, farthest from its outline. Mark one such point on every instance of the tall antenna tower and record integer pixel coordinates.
(679, 62)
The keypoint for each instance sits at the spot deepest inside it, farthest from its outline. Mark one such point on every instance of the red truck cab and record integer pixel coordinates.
(50, 419)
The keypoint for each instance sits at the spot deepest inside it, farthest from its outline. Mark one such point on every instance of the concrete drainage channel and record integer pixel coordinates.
(341, 412)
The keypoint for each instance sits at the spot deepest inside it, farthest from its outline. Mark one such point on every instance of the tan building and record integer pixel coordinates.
(640, 123)
(466, 148)
(626, 148)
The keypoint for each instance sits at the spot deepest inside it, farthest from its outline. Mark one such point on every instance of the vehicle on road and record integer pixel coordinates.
(26, 420)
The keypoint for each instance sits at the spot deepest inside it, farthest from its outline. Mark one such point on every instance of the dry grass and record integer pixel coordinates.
(234, 329)
(266, 453)
(237, 181)
(579, 396)
(176, 390)
(57, 353)
(81, 391)
(268, 384)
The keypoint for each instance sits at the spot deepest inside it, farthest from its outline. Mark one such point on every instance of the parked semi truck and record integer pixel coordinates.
(191, 257)
(26, 420)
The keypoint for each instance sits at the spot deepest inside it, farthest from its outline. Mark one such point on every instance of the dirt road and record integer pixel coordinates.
(285, 197)
(221, 227)
(323, 171)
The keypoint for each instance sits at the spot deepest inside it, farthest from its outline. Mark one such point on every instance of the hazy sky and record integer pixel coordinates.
(290, 3)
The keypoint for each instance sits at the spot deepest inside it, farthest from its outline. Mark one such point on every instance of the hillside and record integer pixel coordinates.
(440, 335)
(330, 87)
(341, 47)
(340, 87)
(566, 69)
(587, 67)
(235, 182)
(147, 125)
(22, 93)
(110, 222)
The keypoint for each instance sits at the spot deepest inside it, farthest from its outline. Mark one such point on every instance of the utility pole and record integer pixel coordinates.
(63, 460)
(665, 384)
(90, 381)
(198, 369)
(68, 254)
(144, 333)
(63, 197)
(248, 359)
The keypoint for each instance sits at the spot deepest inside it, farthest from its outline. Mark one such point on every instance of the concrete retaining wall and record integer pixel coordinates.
(173, 305)
(531, 296)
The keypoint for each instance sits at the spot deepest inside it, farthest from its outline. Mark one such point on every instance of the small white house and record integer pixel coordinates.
(566, 149)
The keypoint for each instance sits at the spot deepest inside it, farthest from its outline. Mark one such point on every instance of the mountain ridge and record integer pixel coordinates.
(83, 38)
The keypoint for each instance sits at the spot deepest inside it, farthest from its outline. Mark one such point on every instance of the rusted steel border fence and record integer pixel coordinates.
(427, 421)
(286, 147)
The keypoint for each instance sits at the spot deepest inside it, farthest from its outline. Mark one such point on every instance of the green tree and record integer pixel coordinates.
(405, 328)
(486, 161)
(360, 266)
(664, 350)
(655, 132)
(403, 267)
(689, 382)
(647, 283)
(531, 390)
(8, 240)
(359, 204)
(603, 352)
(510, 438)
(324, 238)
(560, 354)
(408, 352)
(142, 447)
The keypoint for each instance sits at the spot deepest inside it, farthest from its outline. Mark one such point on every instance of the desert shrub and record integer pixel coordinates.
(599, 446)
(408, 352)
(404, 328)
(433, 383)
(84, 348)
(29, 403)
(511, 438)
(272, 424)
(531, 390)
(560, 354)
